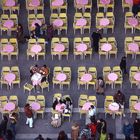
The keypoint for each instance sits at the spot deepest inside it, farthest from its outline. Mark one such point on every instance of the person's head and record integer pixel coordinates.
(40, 136)
(75, 124)
(62, 134)
(92, 106)
(44, 66)
(37, 25)
(136, 120)
(126, 122)
(14, 114)
(36, 65)
(100, 78)
(27, 105)
(119, 92)
(19, 25)
(110, 136)
(92, 119)
(123, 58)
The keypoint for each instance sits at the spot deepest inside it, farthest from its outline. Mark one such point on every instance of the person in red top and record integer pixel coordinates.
(29, 114)
(136, 7)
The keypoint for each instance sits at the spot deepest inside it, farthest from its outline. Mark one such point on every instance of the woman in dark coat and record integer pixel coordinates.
(50, 32)
(3, 125)
(37, 30)
(20, 36)
(62, 136)
(123, 65)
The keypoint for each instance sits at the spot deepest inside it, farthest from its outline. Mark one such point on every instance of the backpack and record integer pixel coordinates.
(93, 128)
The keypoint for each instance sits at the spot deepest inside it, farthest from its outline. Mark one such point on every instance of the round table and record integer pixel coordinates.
(58, 22)
(61, 77)
(59, 47)
(57, 3)
(133, 21)
(113, 106)
(137, 76)
(81, 47)
(104, 22)
(35, 106)
(60, 107)
(36, 78)
(8, 24)
(86, 106)
(8, 48)
(9, 106)
(82, 2)
(10, 3)
(36, 49)
(34, 3)
(81, 22)
(129, 2)
(36, 21)
(105, 2)
(10, 77)
(134, 47)
(106, 47)
(86, 77)
(137, 106)
(112, 77)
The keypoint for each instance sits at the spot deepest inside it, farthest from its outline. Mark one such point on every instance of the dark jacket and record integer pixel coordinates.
(28, 112)
(127, 130)
(136, 127)
(38, 31)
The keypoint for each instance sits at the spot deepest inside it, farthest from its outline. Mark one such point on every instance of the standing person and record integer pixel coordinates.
(127, 130)
(136, 7)
(3, 125)
(123, 65)
(136, 126)
(101, 124)
(100, 86)
(86, 132)
(29, 114)
(96, 36)
(50, 32)
(75, 131)
(93, 128)
(37, 30)
(62, 136)
(13, 122)
(20, 36)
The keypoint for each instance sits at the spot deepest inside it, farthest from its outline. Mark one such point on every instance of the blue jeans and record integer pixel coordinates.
(13, 128)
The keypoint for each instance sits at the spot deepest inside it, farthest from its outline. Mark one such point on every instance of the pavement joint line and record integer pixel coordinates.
(75, 110)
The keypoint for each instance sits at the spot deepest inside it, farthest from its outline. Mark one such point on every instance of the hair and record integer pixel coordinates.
(37, 25)
(27, 105)
(44, 66)
(14, 114)
(61, 135)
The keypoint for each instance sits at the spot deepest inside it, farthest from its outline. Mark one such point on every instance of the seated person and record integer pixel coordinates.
(92, 111)
(44, 70)
(119, 98)
(33, 69)
(56, 120)
(68, 104)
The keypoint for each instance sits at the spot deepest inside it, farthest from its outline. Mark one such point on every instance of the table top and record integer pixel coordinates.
(129, 2)
(57, 3)
(61, 77)
(8, 24)
(36, 76)
(112, 77)
(81, 22)
(58, 22)
(10, 3)
(137, 106)
(104, 22)
(36, 48)
(34, 3)
(81, 47)
(86, 106)
(134, 47)
(8, 48)
(59, 47)
(35, 106)
(36, 21)
(86, 77)
(10, 77)
(106, 47)
(82, 2)
(133, 21)
(60, 107)
(114, 106)
(105, 2)
(137, 76)
(9, 106)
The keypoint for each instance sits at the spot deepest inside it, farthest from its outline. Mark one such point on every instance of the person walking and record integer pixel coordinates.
(123, 65)
(127, 130)
(75, 131)
(100, 86)
(3, 125)
(13, 122)
(136, 126)
(96, 36)
(29, 114)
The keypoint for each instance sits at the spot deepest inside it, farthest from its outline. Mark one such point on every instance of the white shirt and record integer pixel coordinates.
(92, 112)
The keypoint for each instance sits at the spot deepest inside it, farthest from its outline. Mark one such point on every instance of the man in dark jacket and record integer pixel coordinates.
(136, 126)
(119, 98)
(29, 114)
(96, 36)
(3, 125)
(123, 65)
